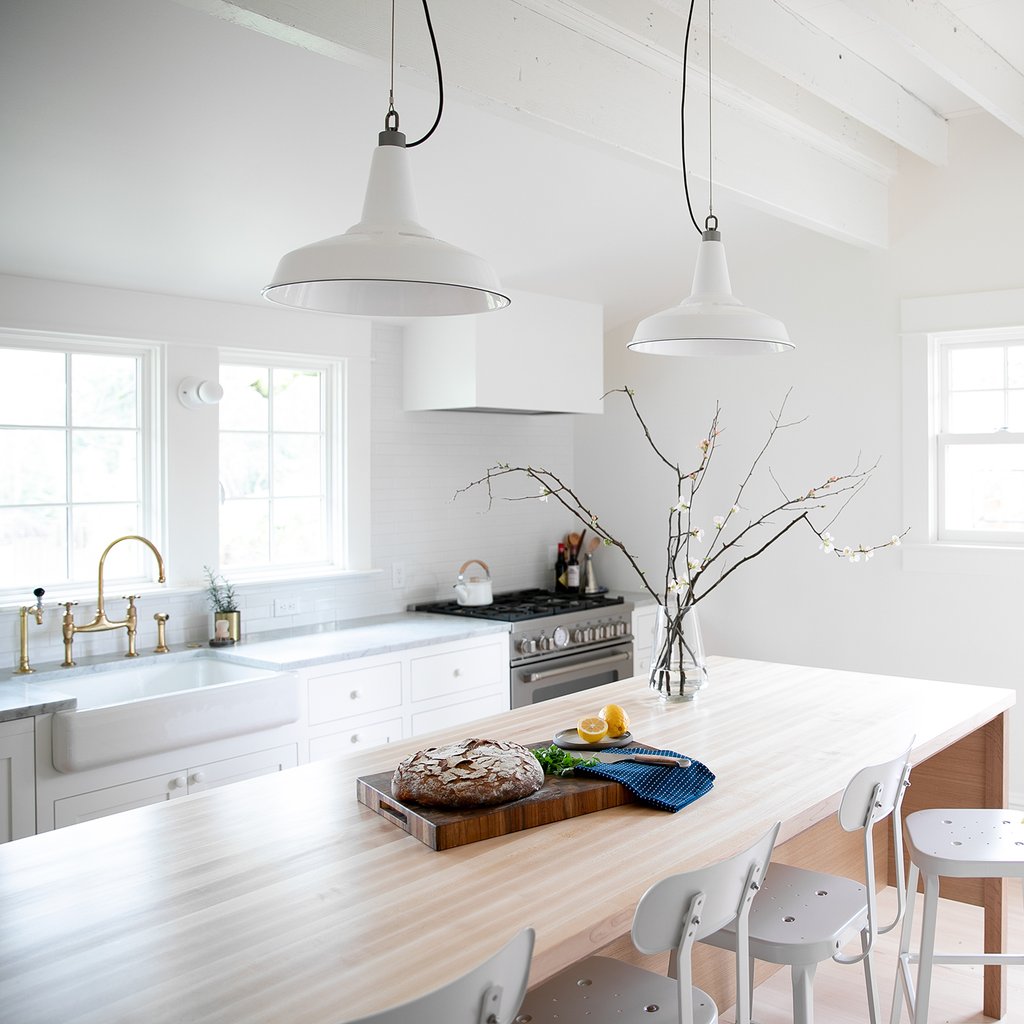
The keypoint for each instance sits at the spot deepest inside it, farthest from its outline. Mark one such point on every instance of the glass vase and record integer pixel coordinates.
(678, 668)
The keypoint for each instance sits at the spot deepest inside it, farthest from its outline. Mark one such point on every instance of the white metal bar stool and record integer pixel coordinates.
(671, 915)
(490, 993)
(801, 918)
(955, 843)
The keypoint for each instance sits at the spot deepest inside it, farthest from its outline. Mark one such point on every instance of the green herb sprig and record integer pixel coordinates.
(556, 761)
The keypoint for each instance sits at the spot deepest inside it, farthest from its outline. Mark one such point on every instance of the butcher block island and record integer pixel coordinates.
(284, 898)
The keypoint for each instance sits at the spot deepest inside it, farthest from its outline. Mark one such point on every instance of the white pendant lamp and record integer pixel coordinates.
(711, 321)
(388, 264)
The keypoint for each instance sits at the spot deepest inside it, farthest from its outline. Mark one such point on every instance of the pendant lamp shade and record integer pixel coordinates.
(388, 264)
(712, 321)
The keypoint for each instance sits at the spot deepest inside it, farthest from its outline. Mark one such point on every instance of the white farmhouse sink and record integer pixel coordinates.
(129, 711)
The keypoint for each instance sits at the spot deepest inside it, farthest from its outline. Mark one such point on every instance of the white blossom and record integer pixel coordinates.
(680, 506)
(896, 540)
(719, 521)
(543, 496)
(733, 509)
(827, 543)
(697, 533)
(678, 584)
(692, 564)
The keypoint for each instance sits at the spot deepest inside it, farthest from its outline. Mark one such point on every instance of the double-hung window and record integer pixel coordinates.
(78, 458)
(279, 463)
(980, 441)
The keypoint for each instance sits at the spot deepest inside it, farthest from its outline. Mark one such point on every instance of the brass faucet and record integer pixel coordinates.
(101, 623)
(24, 668)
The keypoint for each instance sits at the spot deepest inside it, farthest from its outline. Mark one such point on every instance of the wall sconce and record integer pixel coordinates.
(194, 393)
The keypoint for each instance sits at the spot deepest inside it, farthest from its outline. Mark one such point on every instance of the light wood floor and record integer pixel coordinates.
(839, 993)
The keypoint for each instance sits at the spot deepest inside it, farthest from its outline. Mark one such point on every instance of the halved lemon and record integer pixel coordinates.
(617, 719)
(592, 729)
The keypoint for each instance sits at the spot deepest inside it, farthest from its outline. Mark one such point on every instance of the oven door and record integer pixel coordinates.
(556, 676)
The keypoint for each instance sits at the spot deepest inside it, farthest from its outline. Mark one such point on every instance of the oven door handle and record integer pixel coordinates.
(536, 677)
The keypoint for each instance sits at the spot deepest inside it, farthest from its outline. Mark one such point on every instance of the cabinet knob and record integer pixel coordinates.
(179, 782)
(198, 776)
(354, 738)
(457, 673)
(355, 695)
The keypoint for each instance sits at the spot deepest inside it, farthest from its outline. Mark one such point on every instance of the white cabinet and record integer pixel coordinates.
(354, 704)
(458, 685)
(541, 354)
(643, 635)
(364, 702)
(140, 792)
(17, 779)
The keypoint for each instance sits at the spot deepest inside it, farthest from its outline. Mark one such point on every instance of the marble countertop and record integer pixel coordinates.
(283, 649)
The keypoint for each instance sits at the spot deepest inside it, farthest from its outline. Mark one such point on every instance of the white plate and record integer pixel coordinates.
(569, 739)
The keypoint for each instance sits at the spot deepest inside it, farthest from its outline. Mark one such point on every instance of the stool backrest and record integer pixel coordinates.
(872, 795)
(489, 994)
(682, 909)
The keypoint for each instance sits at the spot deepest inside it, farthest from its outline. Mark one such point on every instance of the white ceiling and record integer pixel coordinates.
(150, 145)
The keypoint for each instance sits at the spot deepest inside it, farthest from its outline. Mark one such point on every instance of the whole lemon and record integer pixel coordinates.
(617, 719)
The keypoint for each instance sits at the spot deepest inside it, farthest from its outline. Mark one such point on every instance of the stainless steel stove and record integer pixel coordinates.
(558, 643)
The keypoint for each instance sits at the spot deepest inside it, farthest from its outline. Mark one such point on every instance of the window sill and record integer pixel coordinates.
(963, 559)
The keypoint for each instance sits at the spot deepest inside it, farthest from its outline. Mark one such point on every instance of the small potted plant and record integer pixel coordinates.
(227, 619)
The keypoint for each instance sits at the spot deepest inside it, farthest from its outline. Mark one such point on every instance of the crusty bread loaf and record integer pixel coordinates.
(470, 773)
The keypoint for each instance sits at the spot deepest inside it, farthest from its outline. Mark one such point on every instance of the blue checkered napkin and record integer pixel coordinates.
(661, 786)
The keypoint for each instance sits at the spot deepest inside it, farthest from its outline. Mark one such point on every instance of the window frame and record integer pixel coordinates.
(926, 324)
(945, 439)
(335, 412)
(151, 426)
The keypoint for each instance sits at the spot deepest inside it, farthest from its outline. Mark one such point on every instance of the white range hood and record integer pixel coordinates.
(540, 355)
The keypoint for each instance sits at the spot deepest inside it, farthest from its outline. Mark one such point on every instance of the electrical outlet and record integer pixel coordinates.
(286, 605)
(397, 575)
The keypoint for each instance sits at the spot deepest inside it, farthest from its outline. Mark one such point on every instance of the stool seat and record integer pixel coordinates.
(951, 842)
(800, 916)
(967, 843)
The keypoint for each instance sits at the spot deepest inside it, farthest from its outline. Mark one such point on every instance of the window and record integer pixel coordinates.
(980, 441)
(77, 459)
(279, 445)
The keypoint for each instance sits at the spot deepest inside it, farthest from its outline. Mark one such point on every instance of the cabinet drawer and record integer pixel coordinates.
(355, 739)
(245, 766)
(453, 714)
(344, 694)
(439, 674)
(98, 804)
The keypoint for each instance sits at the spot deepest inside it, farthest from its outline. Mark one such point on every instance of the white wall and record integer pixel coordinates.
(417, 462)
(955, 230)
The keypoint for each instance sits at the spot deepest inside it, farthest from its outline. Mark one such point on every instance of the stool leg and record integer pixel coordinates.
(901, 992)
(803, 993)
(924, 968)
(869, 978)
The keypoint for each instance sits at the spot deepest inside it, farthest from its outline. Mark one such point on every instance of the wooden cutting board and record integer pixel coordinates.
(444, 828)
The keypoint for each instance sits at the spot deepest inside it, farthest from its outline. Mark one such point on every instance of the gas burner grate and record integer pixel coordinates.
(520, 605)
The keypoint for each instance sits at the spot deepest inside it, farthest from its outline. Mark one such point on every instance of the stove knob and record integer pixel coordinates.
(588, 635)
(526, 645)
(577, 636)
(544, 643)
(620, 629)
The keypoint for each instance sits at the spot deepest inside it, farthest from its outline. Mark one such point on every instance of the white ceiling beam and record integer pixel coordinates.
(940, 40)
(557, 66)
(778, 37)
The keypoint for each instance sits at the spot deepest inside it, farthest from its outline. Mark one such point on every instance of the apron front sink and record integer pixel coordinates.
(127, 712)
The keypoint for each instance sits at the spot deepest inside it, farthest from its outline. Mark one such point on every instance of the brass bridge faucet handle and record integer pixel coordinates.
(131, 622)
(161, 636)
(68, 631)
(24, 668)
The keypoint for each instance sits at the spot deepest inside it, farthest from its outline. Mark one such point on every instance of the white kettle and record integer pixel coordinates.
(476, 589)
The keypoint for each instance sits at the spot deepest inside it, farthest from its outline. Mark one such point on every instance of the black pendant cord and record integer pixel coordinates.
(392, 113)
(682, 113)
